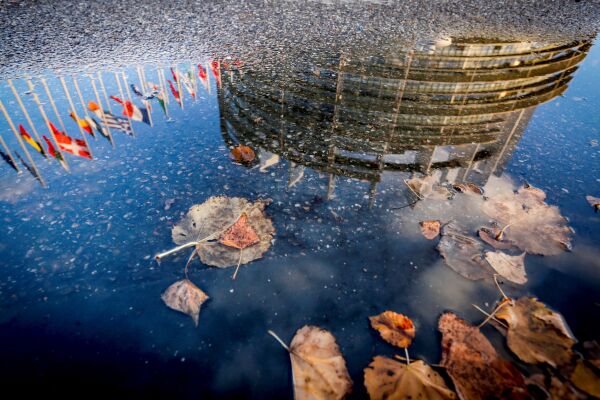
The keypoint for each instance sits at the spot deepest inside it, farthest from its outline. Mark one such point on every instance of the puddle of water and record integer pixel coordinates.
(335, 140)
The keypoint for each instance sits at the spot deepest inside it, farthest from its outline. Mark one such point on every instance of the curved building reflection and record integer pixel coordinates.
(455, 109)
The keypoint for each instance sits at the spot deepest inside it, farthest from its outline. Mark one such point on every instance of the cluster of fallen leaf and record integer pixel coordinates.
(534, 333)
(519, 223)
(224, 232)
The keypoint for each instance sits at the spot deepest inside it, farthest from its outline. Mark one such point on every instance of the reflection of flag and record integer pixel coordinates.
(203, 77)
(95, 125)
(175, 93)
(110, 120)
(215, 67)
(136, 90)
(68, 144)
(174, 74)
(84, 124)
(29, 168)
(159, 96)
(8, 160)
(52, 151)
(33, 143)
(187, 83)
(132, 111)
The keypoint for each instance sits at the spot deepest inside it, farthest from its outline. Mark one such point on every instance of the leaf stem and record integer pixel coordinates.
(238, 266)
(281, 342)
(490, 316)
(407, 357)
(158, 257)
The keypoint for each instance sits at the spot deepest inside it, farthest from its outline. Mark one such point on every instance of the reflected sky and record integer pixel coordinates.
(335, 138)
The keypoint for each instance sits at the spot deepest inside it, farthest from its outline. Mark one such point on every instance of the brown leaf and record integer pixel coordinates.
(556, 388)
(387, 379)
(474, 366)
(185, 297)
(591, 350)
(243, 154)
(530, 223)
(463, 253)
(430, 229)
(509, 267)
(468, 188)
(210, 220)
(318, 367)
(536, 334)
(493, 237)
(586, 379)
(394, 328)
(240, 235)
(594, 202)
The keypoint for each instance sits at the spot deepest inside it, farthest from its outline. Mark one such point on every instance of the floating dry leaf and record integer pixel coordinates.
(318, 367)
(530, 223)
(463, 253)
(468, 188)
(394, 328)
(243, 154)
(594, 202)
(387, 379)
(536, 334)
(509, 267)
(215, 219)
(493, 237)
(586, 379)
(474, 366)
(427, 187)
(185, 297)
(591, 350)
(556, 388)
(430, 229)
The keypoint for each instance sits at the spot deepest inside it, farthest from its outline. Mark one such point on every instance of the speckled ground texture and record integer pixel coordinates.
(38, 35)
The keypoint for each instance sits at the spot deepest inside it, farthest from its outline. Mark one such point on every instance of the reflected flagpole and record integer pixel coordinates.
(36, 99)
(9, 154)
(145, 102)
(27, 117)
(179, 86)
(104, 91)
(163, 89)
(53, 105)
(38, 176)
(123, 97)
(64, 85)
(105, 125)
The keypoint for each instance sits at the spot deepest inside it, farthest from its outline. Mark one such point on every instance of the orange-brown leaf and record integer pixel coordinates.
(394, 328)
(430, 229)
(240, 235)
(243, 154)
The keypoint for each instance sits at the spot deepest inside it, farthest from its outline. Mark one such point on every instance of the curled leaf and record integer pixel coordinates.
(594, 202)
(474, 366)
(468, 188)
(318, 367)
(509, 267)
(394, 328)
(463, 253)
(243, 154)
(536, 334)
(430, 229)
(493, 237)
(185, 297)
(387, 379)
(586, 379)
(427, 187)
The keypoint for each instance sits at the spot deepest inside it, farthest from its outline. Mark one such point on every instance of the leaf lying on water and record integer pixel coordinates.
(556, 388)
(430, 229)
(394, 328)
(493, 237)
(536, 334)
(231, 219)
(243, 154)
(463, 253)
(427, 187)
(592, 353)
(185, 297)
(530, 223)
(586, 379)
(474, 366)
(318, 367)
(509, 267)
(387, 379)
(594, 202)
(468, 188)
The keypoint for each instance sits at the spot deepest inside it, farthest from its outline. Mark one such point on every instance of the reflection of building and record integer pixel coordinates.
(460, 107)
